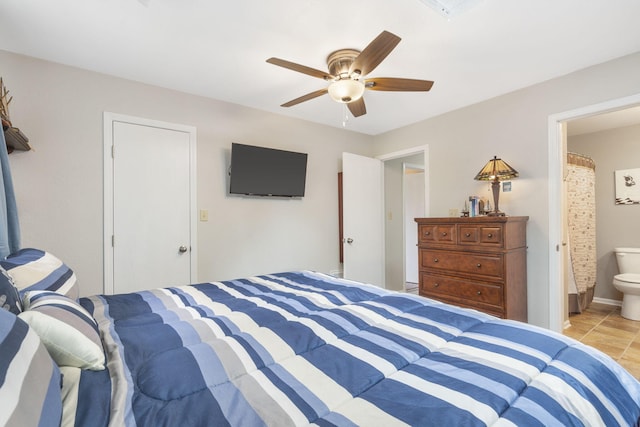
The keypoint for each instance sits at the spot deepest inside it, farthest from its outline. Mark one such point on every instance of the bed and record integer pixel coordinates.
(305, 348)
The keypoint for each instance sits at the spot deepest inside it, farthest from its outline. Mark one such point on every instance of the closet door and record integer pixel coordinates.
(152, 203)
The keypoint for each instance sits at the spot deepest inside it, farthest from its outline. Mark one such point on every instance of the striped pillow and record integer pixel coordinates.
(34, 269)
(9, 298)
(66, 329)
(29, 380)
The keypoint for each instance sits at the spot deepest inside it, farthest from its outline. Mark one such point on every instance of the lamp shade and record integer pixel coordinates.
(346, 90)
(496, 170)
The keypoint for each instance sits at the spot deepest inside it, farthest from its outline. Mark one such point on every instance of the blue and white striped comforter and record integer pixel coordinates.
(304, 348)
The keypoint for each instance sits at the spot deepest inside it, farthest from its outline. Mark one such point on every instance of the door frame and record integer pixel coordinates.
(421, 149)
(108, 120)
(557, 153)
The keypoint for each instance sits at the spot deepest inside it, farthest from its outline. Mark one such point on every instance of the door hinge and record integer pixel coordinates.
(113, 240)
(113, 151)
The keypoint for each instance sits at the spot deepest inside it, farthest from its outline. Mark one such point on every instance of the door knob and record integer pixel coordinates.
(182, 249)
(349, 240)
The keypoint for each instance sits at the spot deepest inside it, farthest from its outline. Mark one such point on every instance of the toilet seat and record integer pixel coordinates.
(632, 278)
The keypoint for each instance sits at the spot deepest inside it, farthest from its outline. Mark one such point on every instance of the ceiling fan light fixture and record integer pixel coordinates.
(346, 90)
(346, 80)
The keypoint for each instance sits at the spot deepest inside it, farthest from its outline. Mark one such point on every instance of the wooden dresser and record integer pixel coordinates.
(478, 262)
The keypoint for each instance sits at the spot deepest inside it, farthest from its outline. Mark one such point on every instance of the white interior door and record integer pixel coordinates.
(362, 191)
(153, 186)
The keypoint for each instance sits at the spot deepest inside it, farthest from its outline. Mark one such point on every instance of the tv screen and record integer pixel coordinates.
(261, 171)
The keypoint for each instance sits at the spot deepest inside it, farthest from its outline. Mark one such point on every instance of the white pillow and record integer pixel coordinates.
(65, 328)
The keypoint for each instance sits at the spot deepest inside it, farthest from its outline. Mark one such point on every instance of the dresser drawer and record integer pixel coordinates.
(437, 233)
(470, 292)
(480, 235)
(486, 265)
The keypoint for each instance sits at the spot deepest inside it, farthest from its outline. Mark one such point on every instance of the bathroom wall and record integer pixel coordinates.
(616, 225)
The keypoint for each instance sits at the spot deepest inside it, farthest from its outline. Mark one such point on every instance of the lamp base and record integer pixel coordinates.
(495, 188)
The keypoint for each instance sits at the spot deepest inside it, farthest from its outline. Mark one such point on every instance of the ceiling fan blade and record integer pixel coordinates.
(300, 68)
(374, 53)
(304, 98)
(357, 108)
(398, 85)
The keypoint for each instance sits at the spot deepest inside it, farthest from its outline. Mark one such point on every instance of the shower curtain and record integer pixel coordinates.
(9, 225)
(581, 212)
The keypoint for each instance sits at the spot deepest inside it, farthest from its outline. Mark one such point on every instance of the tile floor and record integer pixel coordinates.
(602, 327)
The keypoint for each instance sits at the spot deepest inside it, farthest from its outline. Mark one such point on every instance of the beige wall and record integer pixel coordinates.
(515, 127)
(59, 186)
(616, 225)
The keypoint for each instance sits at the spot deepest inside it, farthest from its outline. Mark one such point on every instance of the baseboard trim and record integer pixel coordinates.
(607, 301)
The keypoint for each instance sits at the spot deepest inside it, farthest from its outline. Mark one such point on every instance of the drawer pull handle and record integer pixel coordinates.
(478, 265)
(444, 233)
(435, 260)
(467, 235)
(435, 285)
(490, 235)
(478, 293)
(426, 233)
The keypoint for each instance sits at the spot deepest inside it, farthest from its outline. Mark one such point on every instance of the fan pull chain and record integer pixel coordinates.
(346, 116)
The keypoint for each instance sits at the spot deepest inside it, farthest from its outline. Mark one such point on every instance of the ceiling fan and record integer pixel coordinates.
(348, 69)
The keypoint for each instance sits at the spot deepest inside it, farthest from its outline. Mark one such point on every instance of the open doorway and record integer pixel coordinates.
(393, 261)
(557, 205)
(405, 198)
(413, 207)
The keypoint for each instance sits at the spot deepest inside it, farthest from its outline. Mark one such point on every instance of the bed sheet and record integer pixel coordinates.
(301, 348)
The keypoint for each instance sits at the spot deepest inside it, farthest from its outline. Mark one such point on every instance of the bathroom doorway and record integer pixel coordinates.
(558, 263)
(611, 141)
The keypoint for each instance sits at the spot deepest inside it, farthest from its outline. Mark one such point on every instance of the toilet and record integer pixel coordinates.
(628, 281)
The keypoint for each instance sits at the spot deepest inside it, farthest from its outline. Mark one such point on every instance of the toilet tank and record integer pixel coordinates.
(628, 260)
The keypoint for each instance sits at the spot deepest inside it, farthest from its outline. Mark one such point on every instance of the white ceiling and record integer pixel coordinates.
(217, 49)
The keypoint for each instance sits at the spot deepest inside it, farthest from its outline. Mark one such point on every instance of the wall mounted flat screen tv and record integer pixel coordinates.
(261, 171)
